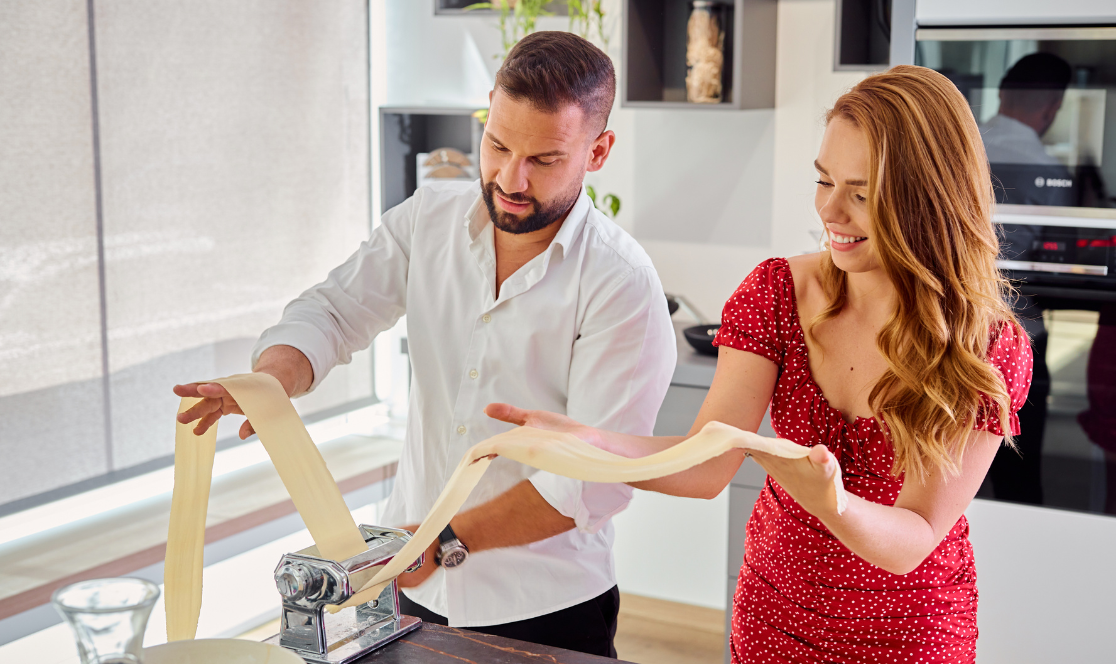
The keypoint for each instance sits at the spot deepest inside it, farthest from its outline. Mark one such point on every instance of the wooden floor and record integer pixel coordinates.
(650, 631)
(653, 631)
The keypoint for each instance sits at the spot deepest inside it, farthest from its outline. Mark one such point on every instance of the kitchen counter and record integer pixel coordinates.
(693, 368)
(435, 644)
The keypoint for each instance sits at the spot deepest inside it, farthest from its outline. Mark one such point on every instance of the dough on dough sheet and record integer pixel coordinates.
(565, 454)
(319, 502)
(297, 460)
(182, 571)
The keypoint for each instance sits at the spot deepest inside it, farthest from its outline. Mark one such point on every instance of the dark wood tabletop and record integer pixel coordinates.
(435, 644)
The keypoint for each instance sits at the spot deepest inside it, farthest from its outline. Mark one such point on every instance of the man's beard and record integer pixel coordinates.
(538, 217)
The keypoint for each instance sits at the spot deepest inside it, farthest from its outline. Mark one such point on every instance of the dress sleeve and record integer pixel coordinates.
(1010, 352)
(757, 317)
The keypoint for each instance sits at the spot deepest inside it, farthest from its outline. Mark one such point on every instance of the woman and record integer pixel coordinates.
(896, 357)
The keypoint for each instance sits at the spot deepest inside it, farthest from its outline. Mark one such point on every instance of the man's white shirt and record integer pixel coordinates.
(581, 329)
(1009, 141)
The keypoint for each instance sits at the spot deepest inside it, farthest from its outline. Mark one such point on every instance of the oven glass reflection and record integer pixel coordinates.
(1046, 103)
(1066, 454)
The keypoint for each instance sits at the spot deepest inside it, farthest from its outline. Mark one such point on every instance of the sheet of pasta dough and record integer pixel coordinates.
(318, 500)
(297, 460)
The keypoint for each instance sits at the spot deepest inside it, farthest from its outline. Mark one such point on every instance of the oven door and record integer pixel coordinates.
(1065, 270)
(1058, 251)
(1045, 99)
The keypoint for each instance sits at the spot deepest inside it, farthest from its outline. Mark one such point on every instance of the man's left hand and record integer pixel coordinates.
(412, 579)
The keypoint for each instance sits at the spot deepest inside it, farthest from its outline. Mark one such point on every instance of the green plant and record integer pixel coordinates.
(517, 19)
(611, 202)
(585, 15)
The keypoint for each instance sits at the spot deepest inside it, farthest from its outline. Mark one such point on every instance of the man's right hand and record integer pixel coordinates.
(286, 363)
(215, 402)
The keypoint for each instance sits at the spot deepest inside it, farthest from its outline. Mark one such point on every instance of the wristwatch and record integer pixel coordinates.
(452, 551)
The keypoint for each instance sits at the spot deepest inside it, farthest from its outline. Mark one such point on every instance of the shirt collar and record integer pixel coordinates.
(476, 219)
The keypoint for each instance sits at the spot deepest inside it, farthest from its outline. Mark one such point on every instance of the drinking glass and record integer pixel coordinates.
(108, 616)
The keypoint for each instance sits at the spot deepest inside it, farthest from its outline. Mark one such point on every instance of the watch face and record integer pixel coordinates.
(453, 557)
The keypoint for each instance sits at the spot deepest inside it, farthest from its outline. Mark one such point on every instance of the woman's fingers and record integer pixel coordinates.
(820, 460)
(246, 430)
(507, 413)
(821, 457)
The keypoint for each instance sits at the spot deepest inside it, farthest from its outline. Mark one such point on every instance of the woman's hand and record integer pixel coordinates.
(808, 480)
(546, 420)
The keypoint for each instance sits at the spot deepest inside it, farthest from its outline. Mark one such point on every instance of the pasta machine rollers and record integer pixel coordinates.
(308, 583)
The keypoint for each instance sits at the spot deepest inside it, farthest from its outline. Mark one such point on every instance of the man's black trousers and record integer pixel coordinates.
(589, 627)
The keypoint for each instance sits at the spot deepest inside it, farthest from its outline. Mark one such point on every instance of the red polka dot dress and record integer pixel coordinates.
(802, 596)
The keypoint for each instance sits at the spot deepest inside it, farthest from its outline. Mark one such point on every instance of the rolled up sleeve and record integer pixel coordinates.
(360, 298)
(619, 373)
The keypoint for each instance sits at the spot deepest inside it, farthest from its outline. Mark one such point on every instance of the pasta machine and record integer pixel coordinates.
(308, 583)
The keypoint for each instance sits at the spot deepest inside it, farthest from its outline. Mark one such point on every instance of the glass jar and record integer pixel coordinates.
(705, 51)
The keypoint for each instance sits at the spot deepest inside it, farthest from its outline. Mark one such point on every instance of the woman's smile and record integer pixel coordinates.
(842, 242)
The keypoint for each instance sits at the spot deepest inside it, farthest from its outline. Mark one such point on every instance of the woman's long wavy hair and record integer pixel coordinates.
(930, 200)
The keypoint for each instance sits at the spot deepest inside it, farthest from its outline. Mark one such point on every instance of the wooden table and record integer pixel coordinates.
(434, 644)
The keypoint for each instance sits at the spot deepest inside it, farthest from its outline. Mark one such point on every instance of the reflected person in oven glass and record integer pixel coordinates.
(1099, 419)
(896, 357)
(1031, 95)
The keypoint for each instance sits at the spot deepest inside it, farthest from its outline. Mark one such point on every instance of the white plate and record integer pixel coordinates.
(219, 651)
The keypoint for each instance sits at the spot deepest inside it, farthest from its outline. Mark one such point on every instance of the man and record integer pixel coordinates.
(515, 289)
(1031, 95)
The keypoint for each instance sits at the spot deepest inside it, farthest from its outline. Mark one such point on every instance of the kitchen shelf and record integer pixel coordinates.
(863, 35)
(654, 55)
(406, 131)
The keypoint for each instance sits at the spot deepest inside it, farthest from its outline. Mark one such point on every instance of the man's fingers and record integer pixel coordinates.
(200, 409)
(212, 390)
(506, 413)
(201, 390)
(246, 430)
(206, 422)
(188, 390)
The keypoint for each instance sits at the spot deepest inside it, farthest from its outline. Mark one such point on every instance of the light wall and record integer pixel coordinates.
(772, 193)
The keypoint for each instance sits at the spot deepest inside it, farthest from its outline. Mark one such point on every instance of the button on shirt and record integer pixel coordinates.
(581, 329)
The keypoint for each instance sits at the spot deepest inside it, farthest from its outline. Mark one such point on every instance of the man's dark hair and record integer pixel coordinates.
(1038, 71)
(551, 69)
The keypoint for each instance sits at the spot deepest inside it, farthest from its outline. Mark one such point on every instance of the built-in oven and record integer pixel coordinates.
(1045, 99)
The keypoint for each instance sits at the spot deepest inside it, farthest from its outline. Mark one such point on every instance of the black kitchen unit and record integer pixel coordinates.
(1045, 98)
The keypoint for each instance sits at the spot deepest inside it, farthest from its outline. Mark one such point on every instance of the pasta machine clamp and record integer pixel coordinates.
(308, 583)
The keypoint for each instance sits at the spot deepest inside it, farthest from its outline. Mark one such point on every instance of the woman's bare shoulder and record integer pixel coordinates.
(805, 270)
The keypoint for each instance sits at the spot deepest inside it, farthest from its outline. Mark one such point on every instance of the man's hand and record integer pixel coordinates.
(287, 364)
(412, 579)
(215, 402)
